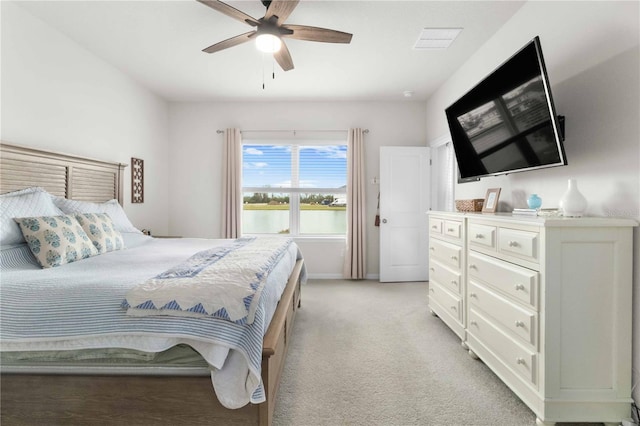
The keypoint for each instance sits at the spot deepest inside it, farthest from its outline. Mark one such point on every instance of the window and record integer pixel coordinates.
(294, 188)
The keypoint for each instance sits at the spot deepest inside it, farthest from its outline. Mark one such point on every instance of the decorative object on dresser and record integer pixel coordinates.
(473, 205)
(534, 202)
(535, 310)
(573, 203)
(549, 212)
(137, 180)
(491, 200)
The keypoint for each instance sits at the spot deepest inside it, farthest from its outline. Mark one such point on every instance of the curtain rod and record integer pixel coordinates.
(294, 131)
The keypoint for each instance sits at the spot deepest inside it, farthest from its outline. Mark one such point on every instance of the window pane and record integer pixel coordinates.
(323, 166)
(323, 214)
(265, 213)
(267, 166)
(287, 169)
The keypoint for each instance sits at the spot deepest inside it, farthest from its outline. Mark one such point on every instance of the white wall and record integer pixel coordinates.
(592, 55)
(196, 150)
(58, 96)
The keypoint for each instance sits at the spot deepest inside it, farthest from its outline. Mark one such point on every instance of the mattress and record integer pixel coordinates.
(77, 307)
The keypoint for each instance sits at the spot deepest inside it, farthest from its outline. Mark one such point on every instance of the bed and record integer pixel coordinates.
(145, 385)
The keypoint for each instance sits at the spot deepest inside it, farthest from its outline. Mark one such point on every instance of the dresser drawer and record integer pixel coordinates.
(519, 321)
(523, 244)
(444, 276)
(519, 359)
(449, 254)
(447, 300)
(482, 235)
(516, 281)
(435, 225)
(452, 228)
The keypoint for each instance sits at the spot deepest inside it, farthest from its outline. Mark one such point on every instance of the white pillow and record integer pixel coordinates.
(56, 240)
(28, 202)
(112, 208)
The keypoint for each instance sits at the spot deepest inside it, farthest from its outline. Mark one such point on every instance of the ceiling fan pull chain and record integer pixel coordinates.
(273, 68)
(263, 71)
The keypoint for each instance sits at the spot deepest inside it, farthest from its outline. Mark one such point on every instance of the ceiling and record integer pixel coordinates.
(159, 43)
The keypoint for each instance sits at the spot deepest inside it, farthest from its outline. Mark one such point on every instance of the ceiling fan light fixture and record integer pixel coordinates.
(270, 30)
(268, 43)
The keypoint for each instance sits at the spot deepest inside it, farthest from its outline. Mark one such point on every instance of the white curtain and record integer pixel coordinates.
(355, 254)
(231, 184)
(443, 177)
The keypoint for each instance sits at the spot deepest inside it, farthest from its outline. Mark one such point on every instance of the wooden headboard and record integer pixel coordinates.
(64, 175)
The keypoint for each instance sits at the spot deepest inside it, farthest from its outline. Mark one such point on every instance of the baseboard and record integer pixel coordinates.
(373, 277)
(325, 276)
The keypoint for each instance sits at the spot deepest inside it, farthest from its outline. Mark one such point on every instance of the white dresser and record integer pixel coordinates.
(544, 302)
(446, 271)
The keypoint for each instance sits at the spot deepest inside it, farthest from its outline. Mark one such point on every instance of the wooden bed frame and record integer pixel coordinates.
(103, 399)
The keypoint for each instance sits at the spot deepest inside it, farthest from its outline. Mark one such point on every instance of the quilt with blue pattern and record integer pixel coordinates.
(222, 282)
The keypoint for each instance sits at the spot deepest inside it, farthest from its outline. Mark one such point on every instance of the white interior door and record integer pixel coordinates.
(404, 202)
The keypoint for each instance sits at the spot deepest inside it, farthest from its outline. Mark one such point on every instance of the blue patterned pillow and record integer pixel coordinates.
(56, 240)
(101, 231)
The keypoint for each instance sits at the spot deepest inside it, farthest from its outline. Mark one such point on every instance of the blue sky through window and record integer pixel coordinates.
(322, 166)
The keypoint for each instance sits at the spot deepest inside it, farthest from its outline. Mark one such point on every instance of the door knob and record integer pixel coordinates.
(384, 220)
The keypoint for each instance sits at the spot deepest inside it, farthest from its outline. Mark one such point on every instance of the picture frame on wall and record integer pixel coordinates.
(491, 200)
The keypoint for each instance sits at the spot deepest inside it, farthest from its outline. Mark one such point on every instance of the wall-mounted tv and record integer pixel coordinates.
(507, 123)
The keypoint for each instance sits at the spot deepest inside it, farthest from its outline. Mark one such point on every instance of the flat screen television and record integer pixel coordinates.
(507, 123)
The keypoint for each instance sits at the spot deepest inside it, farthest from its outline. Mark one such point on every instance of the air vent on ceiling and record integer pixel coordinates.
(436, 38)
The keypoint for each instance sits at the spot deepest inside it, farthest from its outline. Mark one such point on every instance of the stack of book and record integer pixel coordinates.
(529, 212)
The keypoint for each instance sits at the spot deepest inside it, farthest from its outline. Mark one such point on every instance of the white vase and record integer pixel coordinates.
(573, 203)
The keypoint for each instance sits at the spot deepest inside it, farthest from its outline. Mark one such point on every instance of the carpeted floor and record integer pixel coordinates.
(366, 353)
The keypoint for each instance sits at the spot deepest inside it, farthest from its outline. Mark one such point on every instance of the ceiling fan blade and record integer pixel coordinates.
(230, 11)
(283, 58)
(281, 8)
(325, 35)
(233, 41)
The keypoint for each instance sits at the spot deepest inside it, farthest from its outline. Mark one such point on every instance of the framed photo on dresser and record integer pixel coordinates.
(491, 200)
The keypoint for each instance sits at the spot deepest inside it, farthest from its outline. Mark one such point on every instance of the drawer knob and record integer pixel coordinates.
(473, 266)
(473, 295)
(511, 243)
(432, 248)
(519, 324)
(473, 322)
(448, 229)
(432, 290)
(453, 308)
(519, 287)
(520, 361)
(434, 227)
(478, 236)
(454, 282)
(432, 269)
(453, 257)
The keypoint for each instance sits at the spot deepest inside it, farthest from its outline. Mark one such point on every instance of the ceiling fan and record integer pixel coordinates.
(270, 30)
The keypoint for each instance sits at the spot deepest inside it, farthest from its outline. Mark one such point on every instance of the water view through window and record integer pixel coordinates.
(294, 189)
